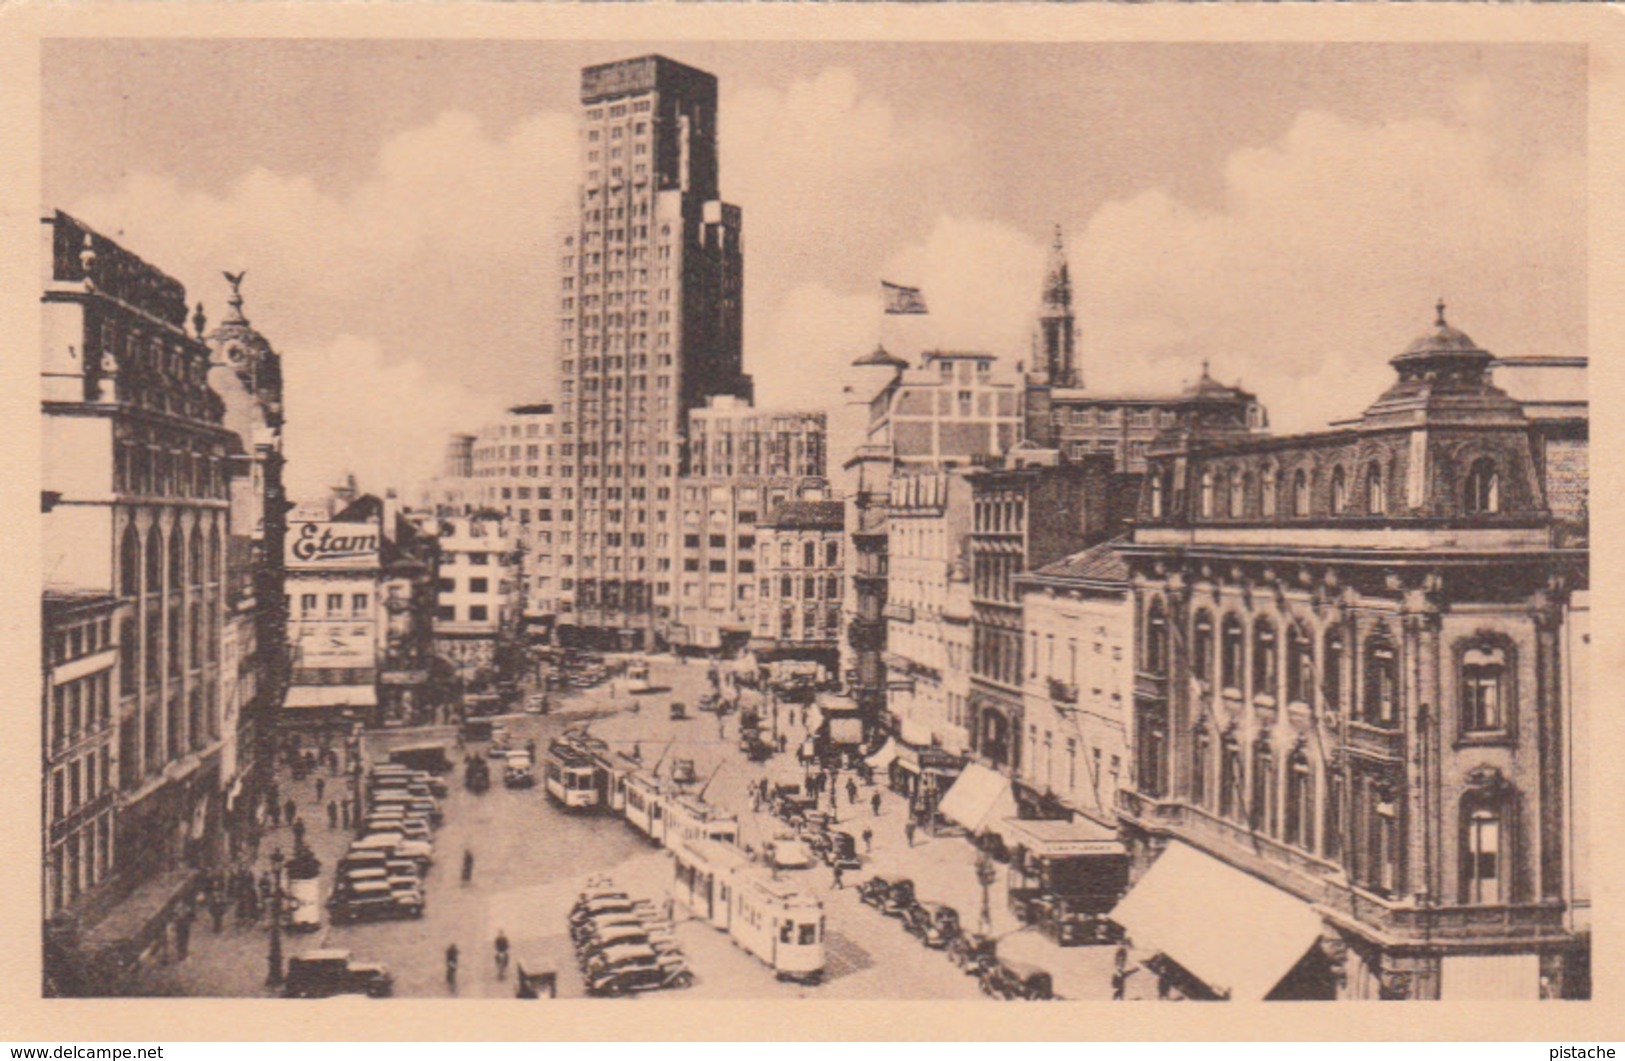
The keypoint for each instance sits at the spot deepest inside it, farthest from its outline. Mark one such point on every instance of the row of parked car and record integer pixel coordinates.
(937, 926)
(624, 945)
(382, 875)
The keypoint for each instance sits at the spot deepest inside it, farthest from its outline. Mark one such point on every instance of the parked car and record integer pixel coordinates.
(874, 890)
(372, 901)
(639, 969)
(1006, 979)
(842, 851)
(325, 973)
(899, 897)
(934, 923)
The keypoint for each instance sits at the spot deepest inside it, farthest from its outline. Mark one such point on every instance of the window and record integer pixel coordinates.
(1381, 684)
(130, 563)
(1299, 665)
(1300, 493)
(155, 561)
(719, 541)
(1267, 495)
(358, 603)
(1156, 640)
(1481, 855)
(1156, 496)
(195, 556)
(479, 585)
(478, 613)
(307, 603)
(447, 585)
(1238, 494)
(1484, 700)
(1376, 498)
(446, 613)
(1202, 649)
(177, 559)
(1340, 491)
(832, 553)
(1231, 648)
(787, 586)
(1230, 773)
(335, 603)
(1152, 733)
(809, 554)
(1201, 751)
(1331, 671)
(1333, 831)
(1483, 491)
(1300, 802)
(1264, 817)
(1207, 494)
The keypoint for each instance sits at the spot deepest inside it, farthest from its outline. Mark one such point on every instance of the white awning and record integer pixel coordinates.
(979, 798)
(915, 733)
(883, 758)
(1489, 977)
(1230, 930)
(1058, 839)
(331, 696)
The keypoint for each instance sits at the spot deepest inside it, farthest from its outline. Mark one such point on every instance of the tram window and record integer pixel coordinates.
(787, 932)
(809, 934)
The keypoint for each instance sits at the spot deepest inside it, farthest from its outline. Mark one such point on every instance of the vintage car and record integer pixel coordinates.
(631, 969)
(789, 852)
(873, 891)
(372, 900)
(841, 850)
(1006, 979)
(325, 973)
(934, 923)
(899, 898)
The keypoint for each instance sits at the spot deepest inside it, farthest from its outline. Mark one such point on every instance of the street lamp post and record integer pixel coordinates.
(985, 876)
(273, 975)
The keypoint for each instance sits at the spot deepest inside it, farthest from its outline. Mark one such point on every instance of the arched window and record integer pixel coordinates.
(1483, 493)
(177, 559)
(1381, 683)
(1231, 803)
(1267, 495)
(196, 555)
(1231, 649)
(1151, 735)
(1483, 842)
(1207, 494)
(1156, 496)
(1340, 491)
(1376, 495)
(1300, 493)
(1238, 495)
(214, 553)
(1266, 656)
(1484, 679)
(1331, 671)
(1266, 815)
(1201, 753)
(129, 564)
(1202, 649)
(155, 559)
(1300, 801)
(1300, 665)
(1156, 640)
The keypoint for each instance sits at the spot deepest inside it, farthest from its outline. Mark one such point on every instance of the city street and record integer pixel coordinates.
(531, 859)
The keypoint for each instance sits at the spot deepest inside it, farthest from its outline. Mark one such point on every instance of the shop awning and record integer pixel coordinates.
(881, 759)
(979, 799)
(1060, 839)
(1489, 977)
(1232, 931)
(915, 733)
(331, 696)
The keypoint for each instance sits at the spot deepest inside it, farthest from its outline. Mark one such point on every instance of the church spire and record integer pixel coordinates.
(1057, 328)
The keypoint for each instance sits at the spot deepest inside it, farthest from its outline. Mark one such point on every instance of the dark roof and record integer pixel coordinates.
(1100, 563)
(880, 356)
(827, 515)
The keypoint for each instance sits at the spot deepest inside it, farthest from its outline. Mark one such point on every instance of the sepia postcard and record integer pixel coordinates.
(877, 522)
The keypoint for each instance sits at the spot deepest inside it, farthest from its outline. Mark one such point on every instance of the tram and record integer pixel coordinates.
(571, 776)
(772, 920)
(645, 808)
(690, 818)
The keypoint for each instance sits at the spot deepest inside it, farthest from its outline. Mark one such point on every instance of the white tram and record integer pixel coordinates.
(772, 920)
(571, 777)
(645, 808)
(689, 818)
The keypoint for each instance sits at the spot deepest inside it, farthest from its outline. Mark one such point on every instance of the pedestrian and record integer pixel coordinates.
(217, 910)
(908, 831)
(332, 814)
(468, 865)
(874, 804)
(290, 811)
(344, 814)
(298, 834)
(276, 814)
(868, 839)
(1120, 983)
(451, 967)
(851, 790)
(502, 954)
(183, 931)
(321, 787)
(838, 882)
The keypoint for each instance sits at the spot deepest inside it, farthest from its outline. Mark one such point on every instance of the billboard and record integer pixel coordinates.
(335, 646)
(322, 544)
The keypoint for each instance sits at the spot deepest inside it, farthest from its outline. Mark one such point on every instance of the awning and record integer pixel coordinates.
(1489, 977)
(1232, 931)
(915, 733)
(331, 696)
(980, 798)
(883, 758)
(1061, 839)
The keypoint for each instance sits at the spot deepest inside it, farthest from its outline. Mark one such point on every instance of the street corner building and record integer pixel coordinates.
(161, 505)
(1359, 726)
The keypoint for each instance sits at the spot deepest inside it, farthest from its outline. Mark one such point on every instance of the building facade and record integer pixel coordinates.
(650, 325)
(512, 466)
(477, 603)
(1078, 685)
(136, 496)
(334, 570)
(802, 564)
(1349, 684)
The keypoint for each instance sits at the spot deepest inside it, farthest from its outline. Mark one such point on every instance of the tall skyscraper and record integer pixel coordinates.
(650, 326)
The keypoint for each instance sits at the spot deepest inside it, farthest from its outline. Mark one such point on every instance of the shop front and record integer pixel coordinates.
(1065, 878)
(336, 707)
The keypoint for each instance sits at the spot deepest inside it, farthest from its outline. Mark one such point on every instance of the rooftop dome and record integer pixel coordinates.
(880, 356)
(1208, 387)
(1443, 340)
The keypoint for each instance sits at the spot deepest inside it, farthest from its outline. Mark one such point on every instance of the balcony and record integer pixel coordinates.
(1150, 686)
(1376, 741)
(1148, 810)
(1063, 693)
(902, 613)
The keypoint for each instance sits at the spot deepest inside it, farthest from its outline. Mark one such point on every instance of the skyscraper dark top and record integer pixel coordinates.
(650, 325)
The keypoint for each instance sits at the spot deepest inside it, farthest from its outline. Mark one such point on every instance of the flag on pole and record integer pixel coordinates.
(901, 299)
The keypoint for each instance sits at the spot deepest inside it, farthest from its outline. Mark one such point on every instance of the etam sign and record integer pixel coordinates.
(324, 544)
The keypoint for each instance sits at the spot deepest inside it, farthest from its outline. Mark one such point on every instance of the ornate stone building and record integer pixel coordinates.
(1352, 686)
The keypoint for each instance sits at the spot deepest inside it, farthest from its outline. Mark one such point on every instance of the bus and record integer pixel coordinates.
(780, 925)
(571, 777)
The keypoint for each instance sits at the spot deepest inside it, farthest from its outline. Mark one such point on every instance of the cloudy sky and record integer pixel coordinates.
(1288, 212)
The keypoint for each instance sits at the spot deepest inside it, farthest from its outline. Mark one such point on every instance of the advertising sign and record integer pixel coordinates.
(323, 544)
(334, 646)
